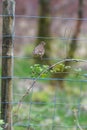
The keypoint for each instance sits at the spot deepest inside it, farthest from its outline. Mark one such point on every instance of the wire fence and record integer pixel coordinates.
(36, 105)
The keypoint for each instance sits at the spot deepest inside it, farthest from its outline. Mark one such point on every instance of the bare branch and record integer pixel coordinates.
(44, 71)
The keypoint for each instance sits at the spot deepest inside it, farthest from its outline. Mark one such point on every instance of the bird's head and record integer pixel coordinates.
(43, 43)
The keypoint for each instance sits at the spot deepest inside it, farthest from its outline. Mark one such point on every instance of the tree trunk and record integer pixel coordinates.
(72, 47)
(44, 28)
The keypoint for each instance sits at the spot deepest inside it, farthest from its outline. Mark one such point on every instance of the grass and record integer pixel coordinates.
(48, 106)
(21, 67)
(44, 112)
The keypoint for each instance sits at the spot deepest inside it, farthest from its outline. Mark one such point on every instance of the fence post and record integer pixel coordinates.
(7, 62)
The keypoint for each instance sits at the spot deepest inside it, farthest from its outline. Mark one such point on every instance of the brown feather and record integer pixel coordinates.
(39, 50)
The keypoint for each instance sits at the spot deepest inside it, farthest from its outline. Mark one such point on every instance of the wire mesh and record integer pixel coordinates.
(47, 107)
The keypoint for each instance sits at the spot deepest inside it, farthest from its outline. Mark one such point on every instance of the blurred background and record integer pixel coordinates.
(62, 24)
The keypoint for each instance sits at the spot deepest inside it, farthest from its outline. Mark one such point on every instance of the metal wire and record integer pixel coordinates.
(55, 102)
(48, 38)
(48, 17)
(48, 79)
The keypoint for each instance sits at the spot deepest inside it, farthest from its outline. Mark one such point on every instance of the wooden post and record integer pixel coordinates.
(7, 62)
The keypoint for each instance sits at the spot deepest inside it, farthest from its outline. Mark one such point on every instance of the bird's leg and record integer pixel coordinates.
(41, 57)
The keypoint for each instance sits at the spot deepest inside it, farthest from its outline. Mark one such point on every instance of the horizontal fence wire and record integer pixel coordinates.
(47, 17)
(43, 103)
(48, 38)
(54, 103)
(41, 125)
(55, 79)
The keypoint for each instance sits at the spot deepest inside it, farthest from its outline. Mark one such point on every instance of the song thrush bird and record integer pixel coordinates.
(39, 50)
